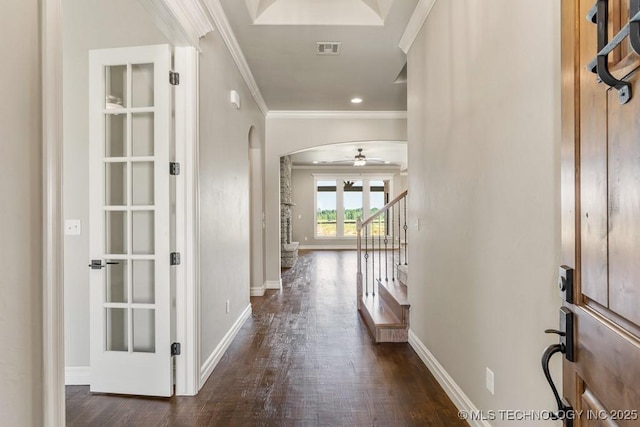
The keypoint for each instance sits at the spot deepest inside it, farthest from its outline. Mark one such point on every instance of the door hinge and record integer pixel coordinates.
(174, 168)
(175, 258)
(175, 349)
(174, 78)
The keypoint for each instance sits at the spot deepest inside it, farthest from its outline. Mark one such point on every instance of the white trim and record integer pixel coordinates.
(328, 247)
(417, 20)
(77, 375)
(52, 226)
(217, 353)
(224, 27)
(183, 22)
(273, 284)
(257, 291)
(283, 114)
(455, 393)
(187, 301)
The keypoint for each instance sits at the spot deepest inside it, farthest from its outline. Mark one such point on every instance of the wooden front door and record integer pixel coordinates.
(601, 214)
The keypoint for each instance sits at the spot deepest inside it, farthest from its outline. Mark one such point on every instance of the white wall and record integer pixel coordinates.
(21, 216)
(303, 193)
(224, 191)
(483, 128)
(88, 24)
(287, 135)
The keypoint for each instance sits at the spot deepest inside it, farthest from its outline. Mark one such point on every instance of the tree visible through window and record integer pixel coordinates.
(352, 206)
(377, 203)
(326, 209)
(341, 202)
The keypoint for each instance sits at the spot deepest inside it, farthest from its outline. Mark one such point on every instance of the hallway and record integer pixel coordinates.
(303, 358)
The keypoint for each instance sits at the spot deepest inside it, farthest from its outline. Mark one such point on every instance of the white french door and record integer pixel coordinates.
(130, 123)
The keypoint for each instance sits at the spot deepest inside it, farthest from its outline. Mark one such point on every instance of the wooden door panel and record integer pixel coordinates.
(607, 362)
(624, 204)
(593, 410)
(593, 167)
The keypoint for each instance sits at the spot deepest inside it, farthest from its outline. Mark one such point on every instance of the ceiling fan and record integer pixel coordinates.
(360, 159)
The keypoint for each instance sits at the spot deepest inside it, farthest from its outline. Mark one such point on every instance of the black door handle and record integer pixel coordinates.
(564, 408)
(565, 346)
(97, 264)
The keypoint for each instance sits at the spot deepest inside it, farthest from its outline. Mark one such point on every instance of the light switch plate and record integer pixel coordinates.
(72, 227)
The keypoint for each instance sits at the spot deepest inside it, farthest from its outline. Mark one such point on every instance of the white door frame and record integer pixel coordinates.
(53, 242)
(187, 302)
(187, 222)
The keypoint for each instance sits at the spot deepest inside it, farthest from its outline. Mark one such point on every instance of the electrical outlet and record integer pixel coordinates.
(489, 380)
(306, 238)
(228, 306)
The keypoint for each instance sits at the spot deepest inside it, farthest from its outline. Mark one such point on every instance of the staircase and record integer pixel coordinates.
(383, 272)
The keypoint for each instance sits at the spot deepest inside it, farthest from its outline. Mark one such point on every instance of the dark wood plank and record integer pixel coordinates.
(304, 358)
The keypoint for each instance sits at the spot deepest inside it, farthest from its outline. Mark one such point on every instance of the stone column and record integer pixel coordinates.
(289, 252)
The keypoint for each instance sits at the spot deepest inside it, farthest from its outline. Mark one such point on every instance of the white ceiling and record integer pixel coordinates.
(280, 49)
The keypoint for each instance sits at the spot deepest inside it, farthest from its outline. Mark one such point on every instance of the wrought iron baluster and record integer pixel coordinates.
(366, 260)
(405, 230)
(393, 244)
(373, 261)
(379, 250)
(386, 241)
(399, 238)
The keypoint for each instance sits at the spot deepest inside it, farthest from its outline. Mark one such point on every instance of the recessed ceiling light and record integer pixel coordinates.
(387, 162)
(356, 100)
(315, 162)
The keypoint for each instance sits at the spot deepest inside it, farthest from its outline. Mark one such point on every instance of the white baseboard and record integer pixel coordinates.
(77, 375)
(207, 368)
(257, 291)
(273, 284)
(328, 247)
(455, 393)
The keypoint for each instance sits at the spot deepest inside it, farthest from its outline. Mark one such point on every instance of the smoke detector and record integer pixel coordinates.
(328, 48)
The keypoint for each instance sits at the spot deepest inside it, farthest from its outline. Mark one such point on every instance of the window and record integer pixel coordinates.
(377, 202)
(326, 209)
(352, 206)
(342, 200)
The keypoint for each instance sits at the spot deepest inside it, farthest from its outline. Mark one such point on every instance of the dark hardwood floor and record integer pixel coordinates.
(303, 359)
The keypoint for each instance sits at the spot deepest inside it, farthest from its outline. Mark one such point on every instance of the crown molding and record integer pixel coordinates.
(308, 114)
(349, 170)
(417, 20)
(183, 22)
(224, 27)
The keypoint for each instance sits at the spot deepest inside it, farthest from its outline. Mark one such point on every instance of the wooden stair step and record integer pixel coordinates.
(394, 294)
(394, 290)
(379, 314)
(381, 322)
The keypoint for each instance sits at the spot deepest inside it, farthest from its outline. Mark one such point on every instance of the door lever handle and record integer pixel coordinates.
(97, 264)
(555, 331)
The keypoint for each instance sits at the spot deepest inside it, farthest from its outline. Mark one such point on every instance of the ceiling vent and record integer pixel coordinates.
(328, 48)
